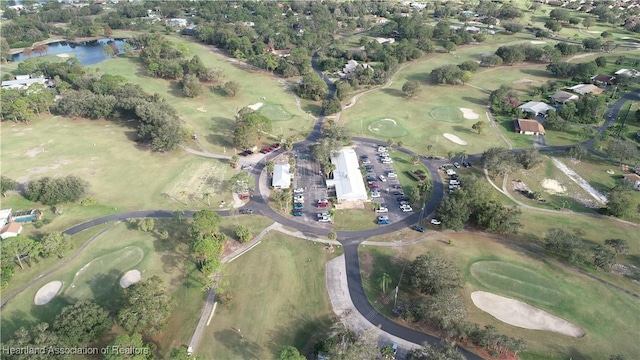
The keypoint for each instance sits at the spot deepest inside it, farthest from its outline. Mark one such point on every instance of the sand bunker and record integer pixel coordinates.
(201, 109)
(593, 32)
(64, 55)
(47, 292)
(129, 278)
(517, 313)
(255, 106)
(553, 186)
(538, 42)
(469, 113)
(454, 138)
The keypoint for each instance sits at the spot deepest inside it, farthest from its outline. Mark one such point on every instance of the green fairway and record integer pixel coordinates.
(513, 279)
(387, 127)
(98, 278)
(275, 112)
(277, 298)
(446, 114)
(608, 316)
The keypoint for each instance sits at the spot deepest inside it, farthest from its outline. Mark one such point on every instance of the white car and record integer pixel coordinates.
(298, 191)
(451, 172)
(382, 149)
(375, 194)
(454, 182)
(392, 175)
(387, 161)
(407, 209)
(298, 198)
(436, 222)
(382, 209)
(324, 219)
(382, 178)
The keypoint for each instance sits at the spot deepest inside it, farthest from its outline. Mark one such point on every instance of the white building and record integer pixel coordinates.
(281, 176)
(536, 108)
(22, 82)
(347, 178)
(5, 216)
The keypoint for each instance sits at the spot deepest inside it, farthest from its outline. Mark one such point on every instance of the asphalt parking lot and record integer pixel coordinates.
(310, 179)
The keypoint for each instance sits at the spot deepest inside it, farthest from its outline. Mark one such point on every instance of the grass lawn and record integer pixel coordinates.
(210, 115)
(278, 297)
(122, 175)
(608, 316)
(354, 219)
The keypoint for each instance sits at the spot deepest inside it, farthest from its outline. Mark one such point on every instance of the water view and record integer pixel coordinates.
(88, 52)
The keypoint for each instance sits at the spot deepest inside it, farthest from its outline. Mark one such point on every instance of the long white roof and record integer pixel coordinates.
(281, 176)
(347, 177)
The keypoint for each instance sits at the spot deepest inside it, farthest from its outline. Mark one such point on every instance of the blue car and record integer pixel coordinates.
(383, 222)
(298, 207)
(418, 228)
(297, 213)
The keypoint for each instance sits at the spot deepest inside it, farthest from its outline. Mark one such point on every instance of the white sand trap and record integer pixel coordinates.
(63, 55)
(553, 186)
(47, 292)
(593, 32)
(129, 278)
(469, 113)
(538, 42)
(454, 138)
(201, 109)
(517, 313)
(255, 106)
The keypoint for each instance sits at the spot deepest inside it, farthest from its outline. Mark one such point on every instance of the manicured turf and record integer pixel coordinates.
(513, 279)
(388, 128)
(446, 114)
(275, 112)
(279, 298)
(354, 219)
(608, 316)
(98, 279)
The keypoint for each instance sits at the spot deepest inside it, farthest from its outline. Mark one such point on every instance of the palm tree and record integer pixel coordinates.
(415, 159)
(385, 279)
(424, 187)
(207, 195)
(270, 166)
(329, 168)
(178, 214)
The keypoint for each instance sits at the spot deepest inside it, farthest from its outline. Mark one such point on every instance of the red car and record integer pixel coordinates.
(374, 186)
(322, 204)
(275, 147)
(265, 150)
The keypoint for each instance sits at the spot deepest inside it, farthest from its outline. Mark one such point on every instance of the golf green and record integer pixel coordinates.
(275, 112)
(387, 128)
(512, 279)
(98, 277)
(446, 114)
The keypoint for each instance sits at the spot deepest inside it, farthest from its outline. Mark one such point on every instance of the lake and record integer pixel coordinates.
(88, 52)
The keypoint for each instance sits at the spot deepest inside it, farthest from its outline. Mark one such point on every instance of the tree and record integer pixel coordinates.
(19, 247)
(271, 165)
(503, 100)
(529, 158)
(620, 246)
(332, 235)
(431, 274)
(588, 22)
(191, 86)
(207, 196)
(81, 323)
(55, 244)
(603, 258)
(601, 61)
(554, 26)
(146, 306)
(312, 87)
(37, 337)
(449, 46)
(344, 344)
(243, 233)
(235, 159)
(7, 271)
(415, 160)
(7, 184)
(411, 88)
(620, 203)
(230, 88)
(499, 160)
(623, 150)
(577, 152)
(331, 106)
(479, 127)
(385, 279)
(453, 212)
(290, 353)
(443, 351)
(143, 351)
(447, 74)
(56, 191)
(565, 244)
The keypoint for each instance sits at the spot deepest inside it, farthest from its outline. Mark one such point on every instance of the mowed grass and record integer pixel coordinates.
(355, 219)
(608, 316)
(122, 175)
(513, 279)
(212, 116)
(279, 298)
(98, 278)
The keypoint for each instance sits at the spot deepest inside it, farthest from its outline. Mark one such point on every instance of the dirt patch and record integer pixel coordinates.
(524, 81)
(552, 186)
(47, 292)
(454, 139)
(469, 114)
(255, 106)
(366, 264)
(34, 152)
(517, 313)
(129, 278)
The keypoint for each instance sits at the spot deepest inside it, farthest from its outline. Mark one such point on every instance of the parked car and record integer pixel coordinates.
(368, 168)
(275, 147)
(298, 190)
(398, 193)
(392, 174)
(265, 150)
(454, 182)
(298, 206)
(371, 178)
(436, 221)
(456, 165)
(382, 209)
(387, 161)
(298, 198)
(365, 160)
(383, 217)
(418, 228)
(375, 194)
(246, 211)
(450, 172)
(382, 148)
(322, 204)
(324, 219)
(297, 213)
(402, 198)
(383, 222)
(382, 178)
(246, 167)
(374, 185)
(406, 208)
(467, 164)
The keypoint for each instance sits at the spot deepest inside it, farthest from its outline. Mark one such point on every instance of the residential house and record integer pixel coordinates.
(23, 82)
(177, 22)
(628, 73)
(189, 30)
(385, 40)
(281, 176)
(563, 97)
(281, 53)
(347, 177)
(602, 79)
(12, 229)
(536, 108)
(583, 89)
(634, 179)
(5, 216)
(350, 68)
(528, 127)
(472, 29)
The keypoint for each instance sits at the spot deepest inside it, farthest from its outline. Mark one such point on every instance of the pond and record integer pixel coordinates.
(88, 52)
